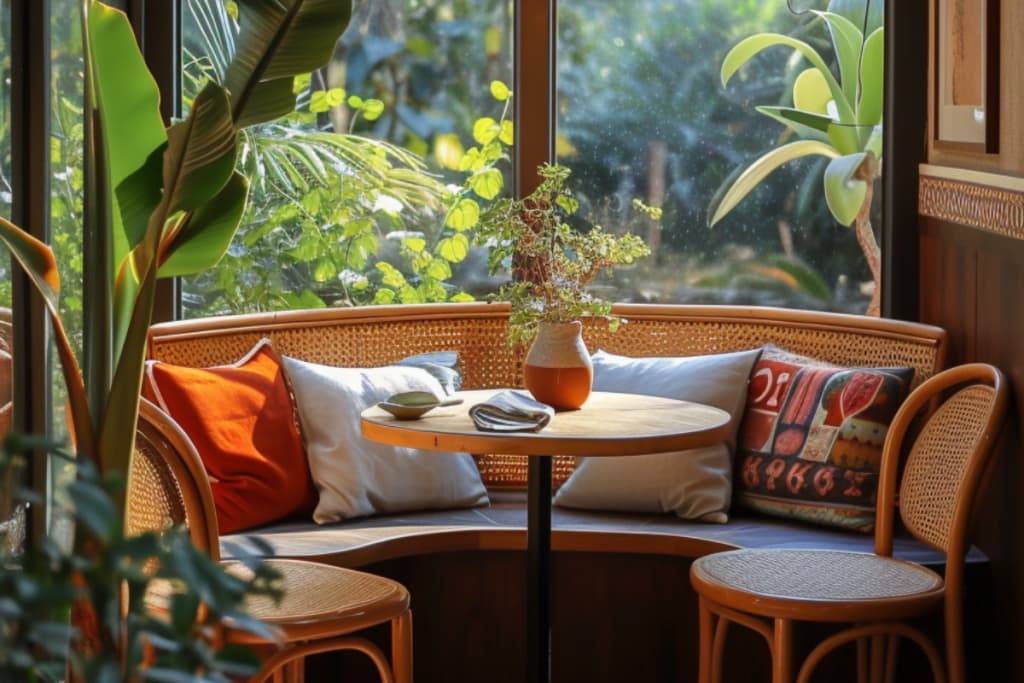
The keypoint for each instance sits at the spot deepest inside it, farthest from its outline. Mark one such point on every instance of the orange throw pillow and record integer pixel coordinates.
(242, 421)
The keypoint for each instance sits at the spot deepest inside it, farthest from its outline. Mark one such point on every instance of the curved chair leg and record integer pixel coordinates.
(401, 647)
(859, 632)
(891, 651)
(877, 658)
(276, 662)
(718, 620)
(862, 660)
(718, 648)
(705, 652)
(782, 651)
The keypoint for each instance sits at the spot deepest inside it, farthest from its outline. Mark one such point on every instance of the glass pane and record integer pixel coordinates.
(344, 205)
(643, 114)
(11, 521)
(66, 149)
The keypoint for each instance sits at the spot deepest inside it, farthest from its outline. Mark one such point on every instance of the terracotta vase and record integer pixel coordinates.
(557, 369)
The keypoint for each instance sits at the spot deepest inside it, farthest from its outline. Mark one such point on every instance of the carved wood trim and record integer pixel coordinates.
(979, 206)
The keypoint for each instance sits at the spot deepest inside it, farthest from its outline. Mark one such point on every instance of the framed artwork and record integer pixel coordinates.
(967, 74)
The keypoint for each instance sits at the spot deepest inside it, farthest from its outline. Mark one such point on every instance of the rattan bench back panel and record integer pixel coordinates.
(381, 335)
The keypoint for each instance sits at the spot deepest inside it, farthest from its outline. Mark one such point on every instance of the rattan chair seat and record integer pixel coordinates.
(322, 594)
(769, 590)
(845, 584)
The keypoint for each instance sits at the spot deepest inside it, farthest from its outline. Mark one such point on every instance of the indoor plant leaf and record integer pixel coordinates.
(208, 233)
(760, 168)
(200, 154)
(128, 103)
(37, 260)
(277, 41)
(843, 191)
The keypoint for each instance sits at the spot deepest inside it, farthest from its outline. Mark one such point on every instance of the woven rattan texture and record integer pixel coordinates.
(941, 454)
(155, 503)
(320, 589)
(979, 206)
(488, 361)
(690, 338)
(817, 574)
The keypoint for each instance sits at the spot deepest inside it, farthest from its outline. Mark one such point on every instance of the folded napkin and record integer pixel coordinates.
(511, 411)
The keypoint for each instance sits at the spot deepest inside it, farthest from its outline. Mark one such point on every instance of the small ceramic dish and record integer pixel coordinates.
(410, 405)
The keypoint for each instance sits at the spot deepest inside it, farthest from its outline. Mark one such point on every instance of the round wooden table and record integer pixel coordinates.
(608, 424)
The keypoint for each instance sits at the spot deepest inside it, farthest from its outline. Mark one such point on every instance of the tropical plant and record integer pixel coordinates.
(552, 264)
(164, 202)
(42, 581)
(836, 118)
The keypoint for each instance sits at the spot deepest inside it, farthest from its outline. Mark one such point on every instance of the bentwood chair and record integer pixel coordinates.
(322, 605)
(873, 595)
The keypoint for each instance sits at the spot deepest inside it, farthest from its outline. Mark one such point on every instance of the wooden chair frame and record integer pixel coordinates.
(773, 615)
(168, 458)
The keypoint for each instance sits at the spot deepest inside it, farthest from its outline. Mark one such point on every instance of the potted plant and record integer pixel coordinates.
(164, 202)
(552, 265)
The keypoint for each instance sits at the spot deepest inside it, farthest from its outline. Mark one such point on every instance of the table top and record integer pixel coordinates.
(608, 424)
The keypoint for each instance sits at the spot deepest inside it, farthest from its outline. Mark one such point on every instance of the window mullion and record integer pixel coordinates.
(534, 39)
(30, 159)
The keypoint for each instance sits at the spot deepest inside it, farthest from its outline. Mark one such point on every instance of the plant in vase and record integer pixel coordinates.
(552, 265)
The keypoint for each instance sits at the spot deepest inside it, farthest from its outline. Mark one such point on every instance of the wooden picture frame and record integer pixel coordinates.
(967, 74)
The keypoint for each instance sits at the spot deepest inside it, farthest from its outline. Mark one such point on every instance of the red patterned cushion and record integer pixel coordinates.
(811, 440)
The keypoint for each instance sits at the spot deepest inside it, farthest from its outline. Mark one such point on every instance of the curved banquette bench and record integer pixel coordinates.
(431, 550)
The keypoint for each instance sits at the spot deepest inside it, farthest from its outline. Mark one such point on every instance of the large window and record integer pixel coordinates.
(347, 195)
(640, 113)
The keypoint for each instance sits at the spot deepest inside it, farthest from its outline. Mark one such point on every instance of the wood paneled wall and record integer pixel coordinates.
(971, 245)
(971, 238)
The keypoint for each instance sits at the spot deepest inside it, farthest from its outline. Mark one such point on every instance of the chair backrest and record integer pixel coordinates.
(167, 485)
(946, 465)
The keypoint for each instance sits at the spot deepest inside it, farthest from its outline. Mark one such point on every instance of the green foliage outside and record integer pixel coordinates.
(640, 77)
(333, 218)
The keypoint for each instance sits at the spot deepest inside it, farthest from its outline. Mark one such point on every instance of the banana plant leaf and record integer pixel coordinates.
(38, 262)
(277, 41)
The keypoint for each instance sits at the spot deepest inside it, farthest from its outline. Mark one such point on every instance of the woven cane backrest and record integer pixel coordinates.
(167, 486)
(943, 469)
(373, 336)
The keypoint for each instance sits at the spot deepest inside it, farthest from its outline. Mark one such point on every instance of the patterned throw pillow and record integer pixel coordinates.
(810, 444)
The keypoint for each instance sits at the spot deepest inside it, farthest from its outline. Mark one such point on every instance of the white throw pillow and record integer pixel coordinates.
(356, 477)
(696, 483)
